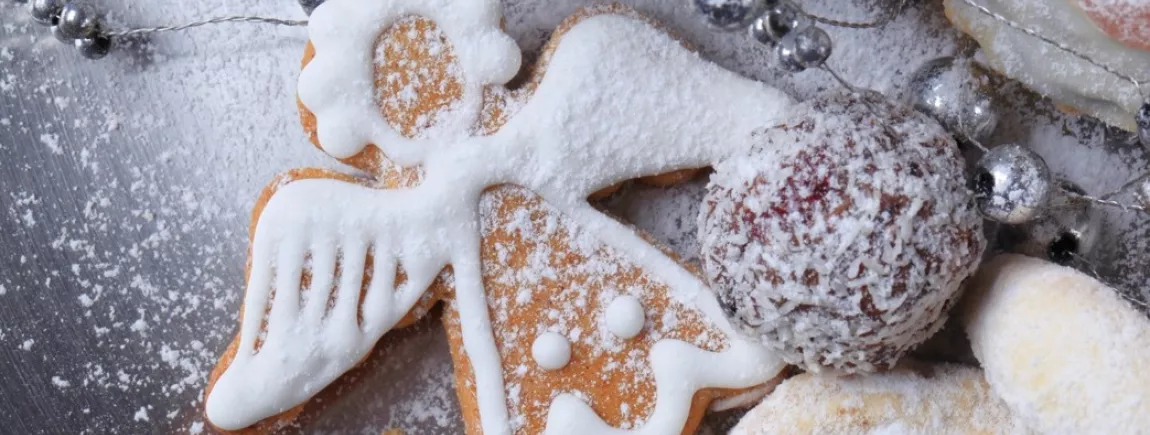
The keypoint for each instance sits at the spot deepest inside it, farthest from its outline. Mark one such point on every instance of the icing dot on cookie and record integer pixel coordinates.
(625, 317)
(551, 351)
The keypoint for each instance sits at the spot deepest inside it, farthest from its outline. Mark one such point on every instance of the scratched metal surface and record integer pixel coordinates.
(124, 191)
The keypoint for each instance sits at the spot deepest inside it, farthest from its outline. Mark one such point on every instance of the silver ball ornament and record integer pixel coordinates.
(804, 48)
(61, 36)
(1142, 192)
(46, 12)
(94, 48)
(1069, 229)
(731, 15)
(955, 93)
(1143, 122)
(310, 5)
(78, 21)
(780, 20)
(1012, 184)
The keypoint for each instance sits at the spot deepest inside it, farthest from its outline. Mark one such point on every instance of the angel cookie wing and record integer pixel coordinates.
(322, 289)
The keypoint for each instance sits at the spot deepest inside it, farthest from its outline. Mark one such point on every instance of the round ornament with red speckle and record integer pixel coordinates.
(842, 239)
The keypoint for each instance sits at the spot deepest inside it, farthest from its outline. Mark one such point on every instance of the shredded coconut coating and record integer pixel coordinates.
(841, 240)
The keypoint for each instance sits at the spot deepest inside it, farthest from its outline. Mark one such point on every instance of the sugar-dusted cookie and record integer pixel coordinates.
(1113, 32)
(915, 398)
(1062, 349)
(562, 320)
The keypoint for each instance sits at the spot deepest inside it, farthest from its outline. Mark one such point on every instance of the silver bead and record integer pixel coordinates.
(1012, 184)
(1143, 122)
(1142, 192)
(310, 5)
(46, 12)
(955, 93)
(94, 48)
(1069, 229)
(60, 36)
(731, 15)
(780, 20)
(804, 48)
(78, 21)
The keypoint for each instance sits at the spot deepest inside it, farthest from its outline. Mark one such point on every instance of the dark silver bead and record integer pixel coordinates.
(1012, 184)
(1143, 121)
(46, 12)
(1142, 192)
(94, 48)
(957, 95)
(310, 5)
(804, 48)
(781, 19)
(60, 36)
(1069, 229)
(78, 21)
(731, 15)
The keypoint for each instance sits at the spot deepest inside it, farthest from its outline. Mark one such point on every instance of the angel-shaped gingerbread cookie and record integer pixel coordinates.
(562, 320)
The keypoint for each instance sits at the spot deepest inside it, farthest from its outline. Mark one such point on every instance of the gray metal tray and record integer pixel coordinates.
(127, 182)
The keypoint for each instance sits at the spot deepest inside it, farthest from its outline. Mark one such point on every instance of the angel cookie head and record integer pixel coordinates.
(561, 320)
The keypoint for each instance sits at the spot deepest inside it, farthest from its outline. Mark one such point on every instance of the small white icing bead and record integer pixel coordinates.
(551, 351)
(625, 317)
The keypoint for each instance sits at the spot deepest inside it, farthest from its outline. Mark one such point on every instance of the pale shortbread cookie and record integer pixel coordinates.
(1113, 32)
(912, 399)
(1061, 349)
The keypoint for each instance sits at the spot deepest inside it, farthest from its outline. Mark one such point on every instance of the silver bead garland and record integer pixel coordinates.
(79, 25)
(731, 15)
(1142, 192)
(1012, 184)
(954, 93)
(1143, 123)
(1068, 231)
(781, 19)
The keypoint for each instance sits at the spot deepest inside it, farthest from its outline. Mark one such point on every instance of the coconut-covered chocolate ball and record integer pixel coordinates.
(841, 240)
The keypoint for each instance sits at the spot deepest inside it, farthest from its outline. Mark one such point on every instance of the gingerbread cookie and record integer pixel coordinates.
(1061, 349)
(561, 319)
(915, 398)
(1112, 32)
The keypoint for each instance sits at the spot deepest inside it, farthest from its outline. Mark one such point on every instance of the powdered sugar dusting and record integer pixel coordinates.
(167, 142)
(913, 399)
(842, 238)
(539, 248)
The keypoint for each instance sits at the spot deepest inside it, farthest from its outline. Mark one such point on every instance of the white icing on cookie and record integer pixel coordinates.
(625, 317)
(340, 80)
(620, 100)
(551, 351)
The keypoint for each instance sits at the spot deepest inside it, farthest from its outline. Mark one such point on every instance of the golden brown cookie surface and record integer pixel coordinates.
(542, 269)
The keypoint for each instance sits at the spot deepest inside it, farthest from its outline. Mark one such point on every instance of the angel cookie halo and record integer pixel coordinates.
(337, 262)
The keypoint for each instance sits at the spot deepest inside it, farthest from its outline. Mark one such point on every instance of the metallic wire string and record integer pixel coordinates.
(1088, 266)
(882, 21)
(1107, 202)
(218, 20)
(1053, 43)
